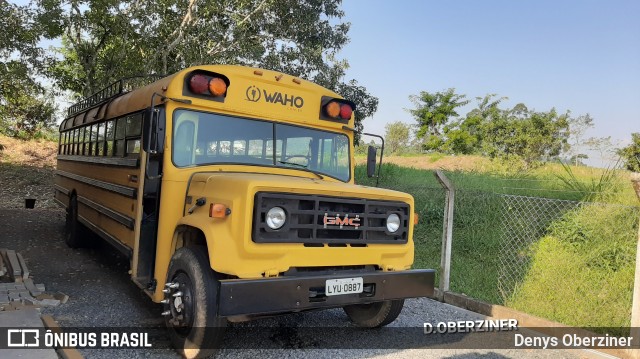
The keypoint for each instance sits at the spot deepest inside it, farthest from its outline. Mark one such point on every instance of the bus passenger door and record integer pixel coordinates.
(149, 190)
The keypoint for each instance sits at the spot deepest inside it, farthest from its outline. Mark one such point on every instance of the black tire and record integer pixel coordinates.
(374, 315)
(201, 330)
(75, 231)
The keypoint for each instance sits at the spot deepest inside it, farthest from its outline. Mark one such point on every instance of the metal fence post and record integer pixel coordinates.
(635, 304)
(447, 233)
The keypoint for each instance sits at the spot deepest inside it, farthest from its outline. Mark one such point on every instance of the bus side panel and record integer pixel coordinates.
(114, 201)
(112, 227)
(107, 196)
(111, 174)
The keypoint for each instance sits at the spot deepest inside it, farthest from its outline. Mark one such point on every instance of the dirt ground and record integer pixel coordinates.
(95, 278)
(26, 171)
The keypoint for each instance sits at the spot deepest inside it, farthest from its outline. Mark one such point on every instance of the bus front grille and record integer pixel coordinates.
(333, 221)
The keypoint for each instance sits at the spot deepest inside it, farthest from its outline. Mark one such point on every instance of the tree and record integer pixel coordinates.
(465, 136)
(433, 111)
(530, 135)
(604, 146)
(366, 105)
(105, 40)
(631, 154)
(577, 160)
(396, 136)
(578, 127)
(24, 108)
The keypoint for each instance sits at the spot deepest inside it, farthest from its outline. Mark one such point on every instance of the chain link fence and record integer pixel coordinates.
(563, 260)
(568, 261)
(523, 221)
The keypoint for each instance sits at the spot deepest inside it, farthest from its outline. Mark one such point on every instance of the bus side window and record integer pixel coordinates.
(76, 141)
(212, 148)
(119, 137)
(183, 144)
(84, 146)
(99, 151)
(93, 148)
(239, 148)
(256, 149)
(134, 126)
(110, 133)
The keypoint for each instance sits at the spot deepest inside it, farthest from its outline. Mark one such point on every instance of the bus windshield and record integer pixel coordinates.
(201, 138)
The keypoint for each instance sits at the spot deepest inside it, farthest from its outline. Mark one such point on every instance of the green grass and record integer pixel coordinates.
(578, 268)
(582, 272)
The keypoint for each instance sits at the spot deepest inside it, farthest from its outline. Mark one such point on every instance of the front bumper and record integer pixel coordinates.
(247, 297)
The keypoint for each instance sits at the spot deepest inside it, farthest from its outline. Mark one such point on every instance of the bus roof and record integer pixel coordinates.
(120, 98)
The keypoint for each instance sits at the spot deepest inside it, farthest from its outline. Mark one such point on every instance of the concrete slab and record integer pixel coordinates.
(22, 319)
(15, 271)
(23, 265)
(28, 283)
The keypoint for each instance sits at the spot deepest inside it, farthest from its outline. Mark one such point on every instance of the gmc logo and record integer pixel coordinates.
(337, 221)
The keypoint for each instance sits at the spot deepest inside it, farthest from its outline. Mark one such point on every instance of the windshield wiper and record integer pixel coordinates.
(291, 163)
(303, 167)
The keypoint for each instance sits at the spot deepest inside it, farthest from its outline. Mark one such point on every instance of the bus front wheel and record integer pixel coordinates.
(191, 306)
(376, 314)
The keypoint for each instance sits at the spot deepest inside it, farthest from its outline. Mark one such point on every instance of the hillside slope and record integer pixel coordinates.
(26, 171)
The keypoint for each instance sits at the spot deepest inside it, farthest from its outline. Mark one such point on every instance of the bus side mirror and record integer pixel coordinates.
(371, 161)
(150, 129)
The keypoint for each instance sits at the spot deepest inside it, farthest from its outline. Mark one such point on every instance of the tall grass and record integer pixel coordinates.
(595, 188)
(582, 271)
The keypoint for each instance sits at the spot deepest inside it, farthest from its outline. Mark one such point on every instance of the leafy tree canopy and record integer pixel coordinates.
(24, 108)
(488, 129)
(104, 40)
(631, 153)
(396, 136)
(434, 110)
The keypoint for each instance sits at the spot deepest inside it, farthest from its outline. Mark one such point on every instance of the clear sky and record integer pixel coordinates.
(577, 55)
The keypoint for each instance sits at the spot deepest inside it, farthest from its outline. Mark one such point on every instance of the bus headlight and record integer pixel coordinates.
(393, 223)
(276, 218)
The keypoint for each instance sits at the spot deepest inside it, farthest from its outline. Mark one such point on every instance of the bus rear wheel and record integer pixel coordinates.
(75, 231)
(191, 304)
(374, 315)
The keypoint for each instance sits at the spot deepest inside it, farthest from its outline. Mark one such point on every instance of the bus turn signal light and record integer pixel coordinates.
(218, 210)
(217, 86)
(415, 218)
(332, 109)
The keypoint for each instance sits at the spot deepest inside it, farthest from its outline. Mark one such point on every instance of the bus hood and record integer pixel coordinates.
(227, 184)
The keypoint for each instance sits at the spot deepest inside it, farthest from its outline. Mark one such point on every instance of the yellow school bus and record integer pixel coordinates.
(231, 190)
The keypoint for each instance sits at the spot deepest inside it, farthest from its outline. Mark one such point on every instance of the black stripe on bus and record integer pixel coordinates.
(59, 203)
(61, 189)
(116, 216)
(110, 161)
(107, 237)
(116, 188)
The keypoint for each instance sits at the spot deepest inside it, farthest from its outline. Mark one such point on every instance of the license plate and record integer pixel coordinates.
(343, 286)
